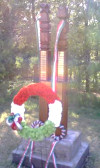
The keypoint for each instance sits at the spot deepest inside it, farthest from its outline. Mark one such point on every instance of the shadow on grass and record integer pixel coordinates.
(87, 121)
(85, 103)
(9, 139)
(84, 115)
(83, 99)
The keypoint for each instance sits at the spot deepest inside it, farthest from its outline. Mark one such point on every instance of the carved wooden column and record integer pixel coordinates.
(62, 67)
(45, 57)
(45, 62)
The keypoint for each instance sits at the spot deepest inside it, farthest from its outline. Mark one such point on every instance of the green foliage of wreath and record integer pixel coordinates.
(37, 134)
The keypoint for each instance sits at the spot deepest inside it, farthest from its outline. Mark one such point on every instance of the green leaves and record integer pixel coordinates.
(84, 44)
(93, 68)
(37, 134)
(18, 43)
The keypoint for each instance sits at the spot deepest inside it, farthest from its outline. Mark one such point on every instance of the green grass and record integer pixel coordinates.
(85, 104)
(83, 99)
(87, 111)
(84, 116)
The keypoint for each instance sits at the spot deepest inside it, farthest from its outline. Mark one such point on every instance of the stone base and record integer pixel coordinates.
(70, 152)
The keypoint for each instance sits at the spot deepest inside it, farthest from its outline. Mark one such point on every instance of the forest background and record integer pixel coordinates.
(18, 41)
(19, 60)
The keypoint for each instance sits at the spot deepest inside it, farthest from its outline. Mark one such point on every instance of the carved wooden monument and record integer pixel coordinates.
(70, 152)
(45, 57)
(45, 61)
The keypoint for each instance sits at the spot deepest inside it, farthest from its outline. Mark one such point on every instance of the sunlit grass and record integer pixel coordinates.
(74, 115)
(89, 138)
(32, 110)
(3, 117)
(74, 124)
(16, 133)
(32, 104)
(83, 99)
(84, 116)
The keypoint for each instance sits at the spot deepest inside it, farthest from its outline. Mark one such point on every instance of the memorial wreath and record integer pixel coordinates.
(38, 130)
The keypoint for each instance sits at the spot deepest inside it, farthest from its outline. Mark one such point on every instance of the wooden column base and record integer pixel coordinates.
(43, 106)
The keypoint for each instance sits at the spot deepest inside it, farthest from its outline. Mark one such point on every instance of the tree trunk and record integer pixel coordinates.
(33, 9)
(87, 50)
(87, 77)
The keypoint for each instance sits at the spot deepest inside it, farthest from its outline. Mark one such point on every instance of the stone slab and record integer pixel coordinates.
(70, 152)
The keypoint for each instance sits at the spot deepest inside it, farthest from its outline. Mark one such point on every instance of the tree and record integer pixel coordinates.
(6, 55)
(17, 38)
(19, 47)
(83, 41)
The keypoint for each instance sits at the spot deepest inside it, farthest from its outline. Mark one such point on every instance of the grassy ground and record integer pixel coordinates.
(85, 119)
(9, 140)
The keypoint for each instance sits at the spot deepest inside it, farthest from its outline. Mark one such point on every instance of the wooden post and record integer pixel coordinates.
(45, 64)
(45, 57)
(62, 68)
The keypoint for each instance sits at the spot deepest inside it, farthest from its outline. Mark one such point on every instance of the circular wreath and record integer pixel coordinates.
(40, 130)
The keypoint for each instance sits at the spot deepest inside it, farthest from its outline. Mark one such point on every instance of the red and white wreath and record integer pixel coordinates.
(17, 110)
